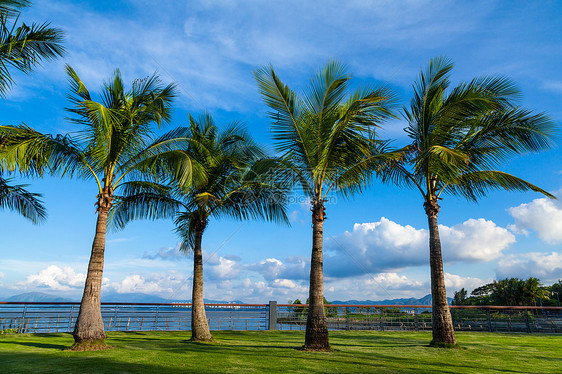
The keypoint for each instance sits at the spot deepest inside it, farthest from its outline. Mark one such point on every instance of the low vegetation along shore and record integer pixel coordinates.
(265, 352)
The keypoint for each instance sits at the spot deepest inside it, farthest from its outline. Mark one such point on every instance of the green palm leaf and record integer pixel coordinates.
(18, 199)
(24, 46)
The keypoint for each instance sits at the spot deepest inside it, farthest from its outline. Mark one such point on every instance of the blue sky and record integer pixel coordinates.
(376, 243)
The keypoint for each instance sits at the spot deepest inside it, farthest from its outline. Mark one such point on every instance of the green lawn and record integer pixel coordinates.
(264, 352)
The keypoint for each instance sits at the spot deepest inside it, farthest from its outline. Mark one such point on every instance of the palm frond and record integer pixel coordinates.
(18, 199)
(23, 46)
(476, 184)
(328, 131)
(287, 113)
(142, 200)
(459, 137)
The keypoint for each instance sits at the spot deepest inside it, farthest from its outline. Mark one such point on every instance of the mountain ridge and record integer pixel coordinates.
(114, 297)
(426, 300)
(111, 297)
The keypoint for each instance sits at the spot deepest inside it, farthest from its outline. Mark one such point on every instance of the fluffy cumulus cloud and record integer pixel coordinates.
(219, 267)
(281, 290)
(454, 282)
(394, 281)
(545, 266)
(294, 267)
(544, 216)
(55, 278)
(386, 245)
(382, 286)
(475, 240)
(163, 284)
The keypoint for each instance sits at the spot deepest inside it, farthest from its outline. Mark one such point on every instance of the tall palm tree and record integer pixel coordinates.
(116, 149)
(231, 178)
(22, 47)
(458, 138)
(326, 137)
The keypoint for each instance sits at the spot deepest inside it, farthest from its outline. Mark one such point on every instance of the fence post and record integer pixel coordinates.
(489, 320)
(527, 321)
(272, 315)
(70, 318)
(156, 318)
(416, 322)
(21, 326)
(115, 316)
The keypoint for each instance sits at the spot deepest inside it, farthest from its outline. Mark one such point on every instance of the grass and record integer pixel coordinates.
(273, 351)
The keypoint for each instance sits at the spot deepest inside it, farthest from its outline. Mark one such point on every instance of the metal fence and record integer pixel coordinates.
(418, 318)
(60, 317)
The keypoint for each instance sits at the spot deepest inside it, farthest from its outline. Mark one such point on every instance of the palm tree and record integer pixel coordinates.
(117, 150)
(326, 137)
(22, 47)
(231, 178)
(458, 138)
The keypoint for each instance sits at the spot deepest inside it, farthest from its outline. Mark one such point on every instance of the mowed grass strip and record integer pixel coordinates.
(274, 352)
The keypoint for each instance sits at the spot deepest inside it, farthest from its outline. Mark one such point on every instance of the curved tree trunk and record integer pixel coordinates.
(199, 326)
(316, 327)
(89, 324)
(442, 323)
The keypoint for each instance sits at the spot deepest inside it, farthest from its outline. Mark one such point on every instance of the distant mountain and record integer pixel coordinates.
(115, 297)
(111, 297)
(30, 297)
(426, 300)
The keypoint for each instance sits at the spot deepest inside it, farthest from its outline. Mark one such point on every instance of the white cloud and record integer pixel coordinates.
(163, 284)
(394, 281)
(544, 216)
(545, 266)
(294, 267)
(382, 286)
(302, 212)
(386, 245)
(56, 278)
(166, 253)
(284, 283)
(1, 277)
(455, 282)
(475, 240)
(219, 267)
(375, 246)
(137, 283)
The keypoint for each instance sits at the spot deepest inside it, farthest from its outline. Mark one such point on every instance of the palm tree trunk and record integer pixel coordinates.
(199, 325)
(316, 327)
(442, 323)
(89, 324)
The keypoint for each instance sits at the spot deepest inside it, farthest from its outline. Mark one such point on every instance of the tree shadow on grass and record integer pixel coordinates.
(43, 345)
(34, 362)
